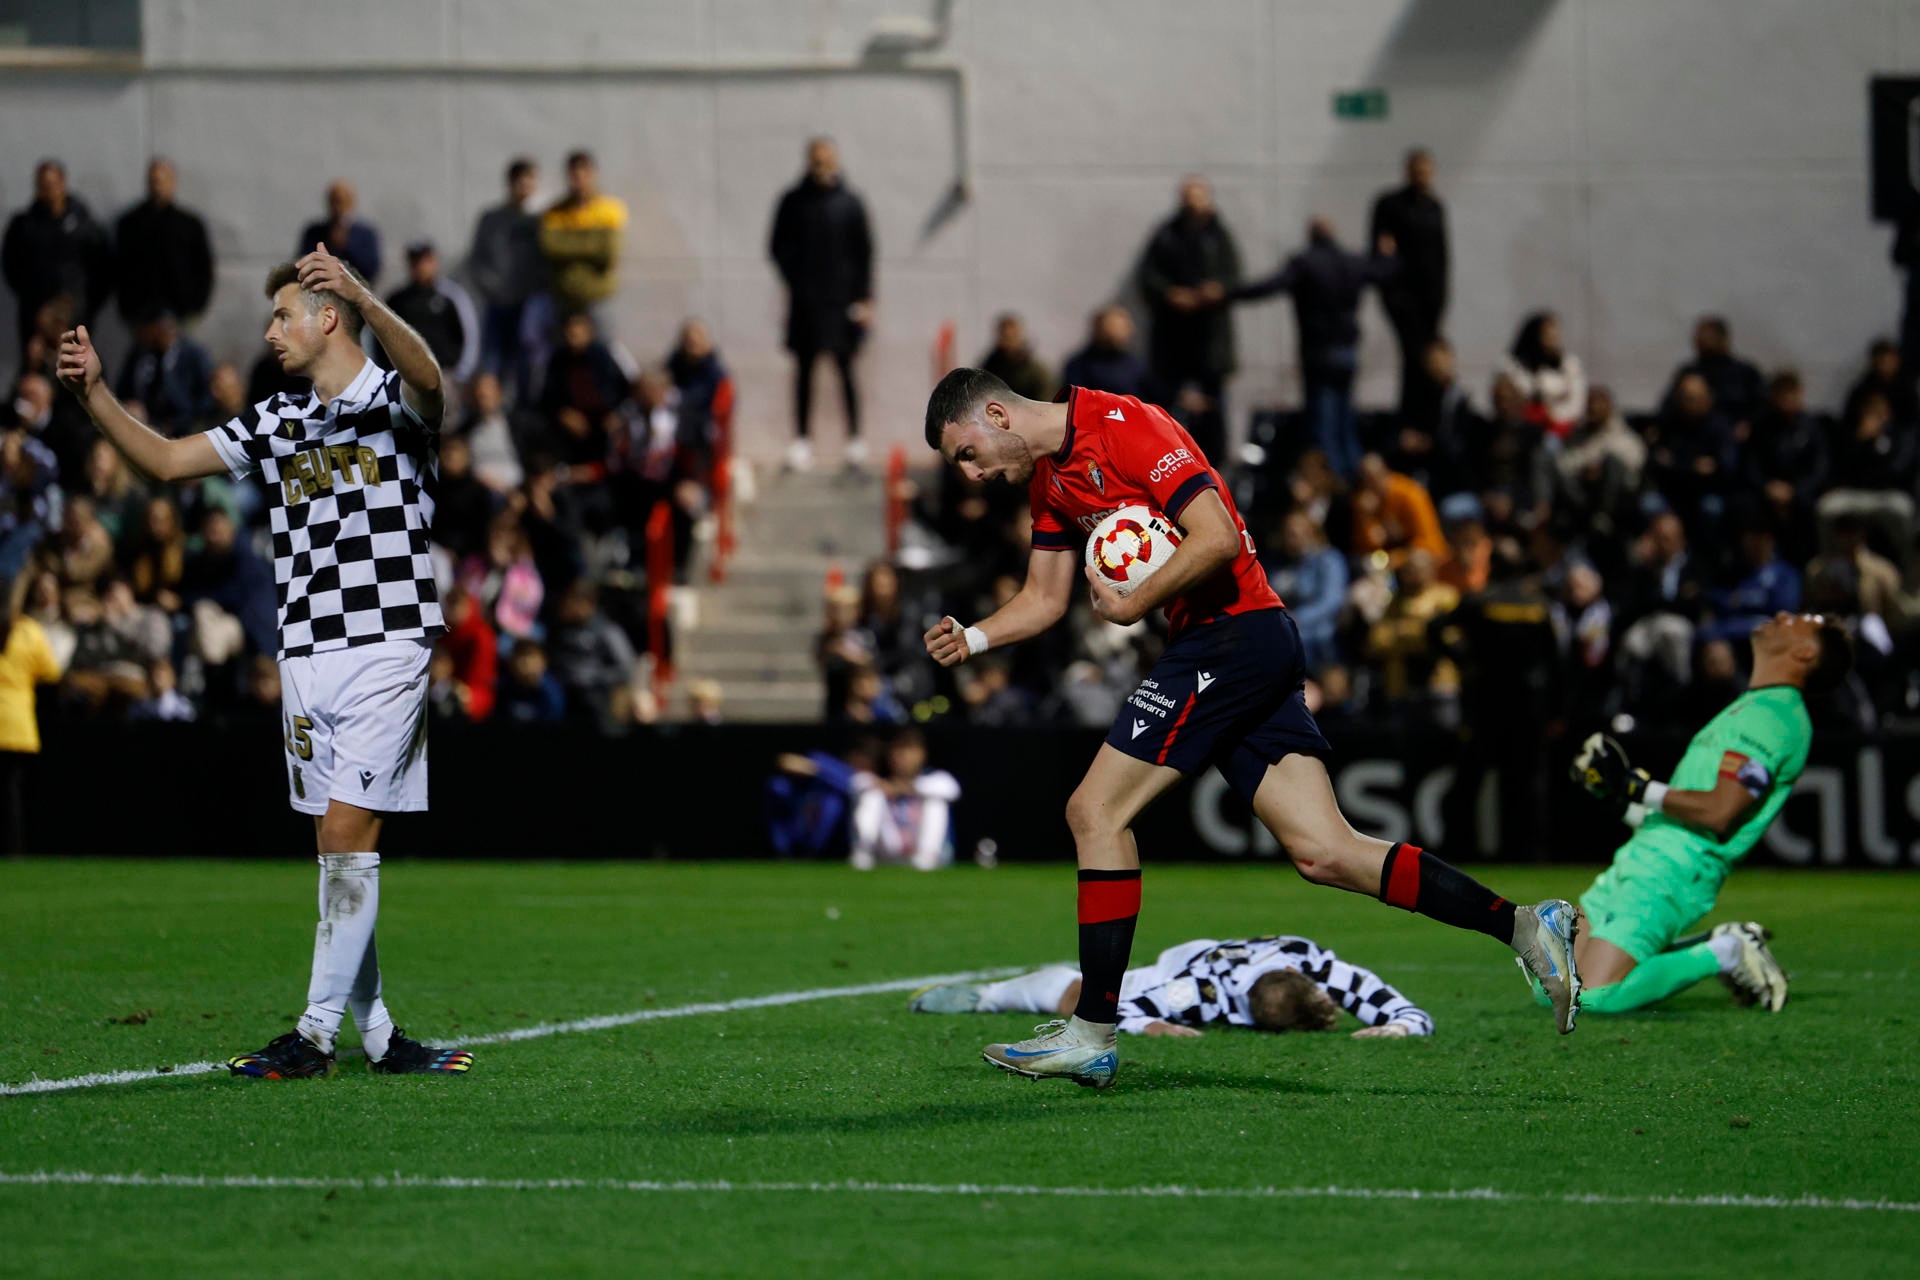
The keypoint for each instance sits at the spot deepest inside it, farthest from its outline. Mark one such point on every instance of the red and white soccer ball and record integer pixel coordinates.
(1130, 545)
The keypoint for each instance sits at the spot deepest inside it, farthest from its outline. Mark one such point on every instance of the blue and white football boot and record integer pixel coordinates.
(1543, 937)
(1086, 1053)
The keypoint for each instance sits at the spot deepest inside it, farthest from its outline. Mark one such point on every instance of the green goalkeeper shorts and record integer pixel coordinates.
(1645, 900)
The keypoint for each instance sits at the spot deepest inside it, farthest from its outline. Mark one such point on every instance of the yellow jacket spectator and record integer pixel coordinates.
(26, 660)
(580, 237)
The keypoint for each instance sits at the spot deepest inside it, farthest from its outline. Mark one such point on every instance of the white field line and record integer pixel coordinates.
(399, 1182)
(542, 1030)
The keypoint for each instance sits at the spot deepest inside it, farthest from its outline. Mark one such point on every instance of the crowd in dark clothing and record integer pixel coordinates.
(561, 460)
(1509, 561)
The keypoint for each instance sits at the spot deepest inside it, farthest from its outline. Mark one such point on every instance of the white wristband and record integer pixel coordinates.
(976, 642)
(1654, 796)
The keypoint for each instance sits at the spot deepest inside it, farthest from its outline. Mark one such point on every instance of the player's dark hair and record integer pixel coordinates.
(1284, 1001)
(958, 396)
(350, 318)
(519, 168)
(1836, 660)
(577, 158)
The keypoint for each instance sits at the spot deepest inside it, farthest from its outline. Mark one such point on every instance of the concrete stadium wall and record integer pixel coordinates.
(1627, 162)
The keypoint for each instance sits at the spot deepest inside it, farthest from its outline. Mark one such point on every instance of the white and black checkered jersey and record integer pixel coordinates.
(350, 486)
(1204, 981)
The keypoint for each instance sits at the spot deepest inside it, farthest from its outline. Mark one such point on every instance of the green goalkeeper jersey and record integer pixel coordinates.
(1761, 739)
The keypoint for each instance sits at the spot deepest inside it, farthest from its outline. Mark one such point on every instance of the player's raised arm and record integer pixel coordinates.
(419, 372)
(1041, 601)
(1603, 769)
(152, 453)
(1212, 541)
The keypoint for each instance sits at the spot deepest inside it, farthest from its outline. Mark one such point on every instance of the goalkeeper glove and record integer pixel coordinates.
(1602, 768)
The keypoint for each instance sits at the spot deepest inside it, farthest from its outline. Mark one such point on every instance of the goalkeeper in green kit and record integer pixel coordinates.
(1735, 776)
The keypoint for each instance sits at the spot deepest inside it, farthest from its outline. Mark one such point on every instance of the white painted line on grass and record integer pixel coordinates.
(399, 1182)
(542, 1030)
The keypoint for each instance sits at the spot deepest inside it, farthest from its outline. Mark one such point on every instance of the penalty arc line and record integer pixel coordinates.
(603, 1022)
(1478, 1195)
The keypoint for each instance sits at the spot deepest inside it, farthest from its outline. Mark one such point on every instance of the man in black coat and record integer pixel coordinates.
(1738, 391)
(163, 261)
(54, 247)
(1326, 282)
(1417, 298)
(824, 251)
(1186, 272)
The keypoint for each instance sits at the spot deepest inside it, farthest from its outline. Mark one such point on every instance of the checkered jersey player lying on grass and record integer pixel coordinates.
(1275, 983)
(350, 469)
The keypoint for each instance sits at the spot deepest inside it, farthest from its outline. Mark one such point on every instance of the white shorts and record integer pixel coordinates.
(355, 724)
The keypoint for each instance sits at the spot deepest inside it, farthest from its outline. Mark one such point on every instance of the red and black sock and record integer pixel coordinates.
(1414, 880)
(1109, 907)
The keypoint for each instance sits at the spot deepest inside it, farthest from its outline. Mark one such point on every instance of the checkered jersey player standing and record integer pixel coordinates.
(349, 469)
(1228, 691)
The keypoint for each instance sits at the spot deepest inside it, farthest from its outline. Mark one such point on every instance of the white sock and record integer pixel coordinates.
(368, 1009)
(1726, 949)
(1036, 992)
(350, 902)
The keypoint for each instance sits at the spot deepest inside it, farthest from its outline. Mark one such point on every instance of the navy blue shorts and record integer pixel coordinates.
(1230, 693)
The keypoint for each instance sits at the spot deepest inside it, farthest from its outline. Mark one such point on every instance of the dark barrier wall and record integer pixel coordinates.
(695, 792)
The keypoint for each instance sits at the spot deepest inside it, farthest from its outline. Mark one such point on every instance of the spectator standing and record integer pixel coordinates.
(26, 660)
(1107, 362)
(163, 260)
(581, 237)
(1013, 362)
(823, 248)
(508, 270)
(169, 375)
(1552, 379)
(346, 237)
(1190, 265)
(1736, 384)
(54, 248)
(1414, 218)
(1326, 282)
(439, 310)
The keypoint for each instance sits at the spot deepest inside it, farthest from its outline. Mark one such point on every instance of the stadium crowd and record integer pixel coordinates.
(1507, 560)
(1514, 551)
(563, 459)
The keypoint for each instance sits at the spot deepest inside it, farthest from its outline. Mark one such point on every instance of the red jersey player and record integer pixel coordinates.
(1229, 691)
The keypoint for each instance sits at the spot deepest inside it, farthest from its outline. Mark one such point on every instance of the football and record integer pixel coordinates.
(1128, 546)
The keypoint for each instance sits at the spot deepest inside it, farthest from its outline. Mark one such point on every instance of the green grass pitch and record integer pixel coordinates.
(108, 965)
